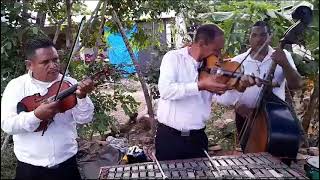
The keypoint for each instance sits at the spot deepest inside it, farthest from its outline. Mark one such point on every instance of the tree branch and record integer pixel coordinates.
(136, 64)
(94, 13)
(68, 33)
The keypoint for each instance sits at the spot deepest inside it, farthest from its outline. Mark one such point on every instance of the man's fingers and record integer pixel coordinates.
(78, 91)
(258, 82)
(251, 81)
(220, 86)
(244, 80)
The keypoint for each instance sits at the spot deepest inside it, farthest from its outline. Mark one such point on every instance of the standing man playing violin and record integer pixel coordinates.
(185, 101)
(51, 156)
(257, 63)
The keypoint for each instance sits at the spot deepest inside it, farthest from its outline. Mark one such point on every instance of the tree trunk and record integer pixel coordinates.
(306, 119)
(101, 26)
(68, 30)
(56, 34)
(136, 64)
(25, 15)
(41, 18)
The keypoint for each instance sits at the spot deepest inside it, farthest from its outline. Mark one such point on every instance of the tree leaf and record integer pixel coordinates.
(9, 45)
(35, 30)
(17, 5)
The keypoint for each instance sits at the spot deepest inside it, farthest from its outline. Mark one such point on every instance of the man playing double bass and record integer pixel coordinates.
(257, 63)
(51, 155)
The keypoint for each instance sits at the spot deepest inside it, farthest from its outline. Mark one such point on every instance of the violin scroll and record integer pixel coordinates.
(303, 15)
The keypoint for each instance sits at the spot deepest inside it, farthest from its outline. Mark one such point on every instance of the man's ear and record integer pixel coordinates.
(202, 43)
(28, 64)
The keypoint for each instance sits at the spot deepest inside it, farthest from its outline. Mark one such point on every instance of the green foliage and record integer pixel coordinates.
(14, 31)
(104, 102)
(236, 18)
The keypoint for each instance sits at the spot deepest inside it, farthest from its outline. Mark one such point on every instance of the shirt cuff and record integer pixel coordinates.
(192, 88)
(32, 122)
(82, 101)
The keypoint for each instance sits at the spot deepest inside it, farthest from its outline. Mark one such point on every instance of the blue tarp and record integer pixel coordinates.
(118, 53)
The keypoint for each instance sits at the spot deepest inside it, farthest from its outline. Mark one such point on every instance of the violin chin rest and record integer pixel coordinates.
(21, 107)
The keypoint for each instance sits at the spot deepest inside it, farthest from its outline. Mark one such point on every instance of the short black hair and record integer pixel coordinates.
(35, 43)
(262, 24)
(208, 32)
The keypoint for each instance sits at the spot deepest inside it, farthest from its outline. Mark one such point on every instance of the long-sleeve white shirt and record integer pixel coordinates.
(181, 105)
(59, 141)
(250, 96)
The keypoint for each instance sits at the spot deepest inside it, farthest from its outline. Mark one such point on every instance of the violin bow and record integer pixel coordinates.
(71, 53)
(70, 57)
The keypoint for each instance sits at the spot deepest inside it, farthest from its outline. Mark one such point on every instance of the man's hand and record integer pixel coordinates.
(247, 81)
(84, 88)
(47, 110)
(279, 57)
(210, 83)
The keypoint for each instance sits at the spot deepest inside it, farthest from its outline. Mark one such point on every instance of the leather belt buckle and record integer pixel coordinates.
(185, 132)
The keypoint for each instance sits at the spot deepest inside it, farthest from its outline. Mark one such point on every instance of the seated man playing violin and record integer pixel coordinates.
(185, 99)
(257, 61)
(48, 155)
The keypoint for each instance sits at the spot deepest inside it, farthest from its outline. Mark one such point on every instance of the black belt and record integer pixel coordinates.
(181, 133)
(69, 161)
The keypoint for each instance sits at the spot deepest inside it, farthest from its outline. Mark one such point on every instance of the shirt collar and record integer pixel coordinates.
(42, 82)
(185, 52)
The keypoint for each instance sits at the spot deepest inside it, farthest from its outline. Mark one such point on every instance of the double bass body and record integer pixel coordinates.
(274, 129)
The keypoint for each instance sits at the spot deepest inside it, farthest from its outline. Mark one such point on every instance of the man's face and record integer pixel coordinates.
(45, 64)
(214, 47)
(259, 36)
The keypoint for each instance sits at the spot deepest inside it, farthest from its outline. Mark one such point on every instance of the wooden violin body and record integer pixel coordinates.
(228, 71)
(66, 99)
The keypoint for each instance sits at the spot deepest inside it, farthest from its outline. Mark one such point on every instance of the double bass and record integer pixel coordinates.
(273, 126)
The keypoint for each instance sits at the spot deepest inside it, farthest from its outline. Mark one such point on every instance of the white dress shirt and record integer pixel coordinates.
(250, 96)
(181, 105)
(59, 141)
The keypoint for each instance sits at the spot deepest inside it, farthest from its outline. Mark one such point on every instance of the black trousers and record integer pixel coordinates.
(67, 170)
(170, 144)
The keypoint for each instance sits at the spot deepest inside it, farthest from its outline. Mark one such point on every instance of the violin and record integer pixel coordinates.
(66, 98)
(228, 72)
